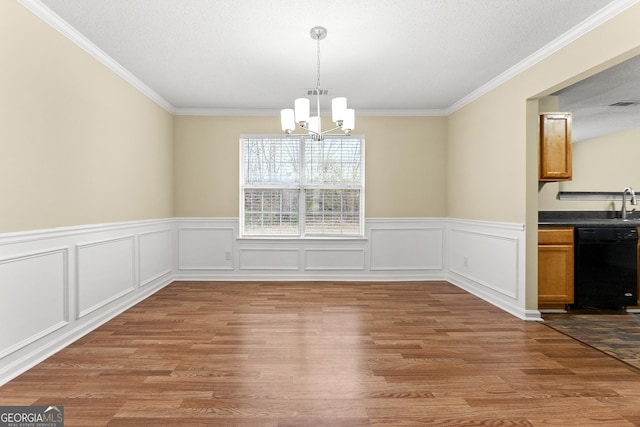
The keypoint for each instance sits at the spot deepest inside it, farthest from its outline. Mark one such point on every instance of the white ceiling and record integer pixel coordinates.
(412, 57)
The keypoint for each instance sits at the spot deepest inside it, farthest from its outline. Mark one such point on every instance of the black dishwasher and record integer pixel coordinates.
(606, 272)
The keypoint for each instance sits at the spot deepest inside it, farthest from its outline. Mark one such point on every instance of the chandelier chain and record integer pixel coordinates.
(318, 76)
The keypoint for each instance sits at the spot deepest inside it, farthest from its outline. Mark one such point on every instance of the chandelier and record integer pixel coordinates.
(343, 117)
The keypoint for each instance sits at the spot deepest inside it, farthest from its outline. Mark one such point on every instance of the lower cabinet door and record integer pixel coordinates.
(555, 274)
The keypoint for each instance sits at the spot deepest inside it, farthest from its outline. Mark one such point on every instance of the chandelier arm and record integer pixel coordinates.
(330, 130)
(321, 131)
(317, 133)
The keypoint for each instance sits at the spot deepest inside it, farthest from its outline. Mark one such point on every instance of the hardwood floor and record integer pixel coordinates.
(328, 354)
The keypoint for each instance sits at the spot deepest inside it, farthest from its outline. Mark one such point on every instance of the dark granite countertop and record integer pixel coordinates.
(587, 219)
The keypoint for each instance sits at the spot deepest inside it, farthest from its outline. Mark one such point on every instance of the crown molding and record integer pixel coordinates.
(599, 18)
(48, 16)
(224, 112)
(403, 113)
(273, 112)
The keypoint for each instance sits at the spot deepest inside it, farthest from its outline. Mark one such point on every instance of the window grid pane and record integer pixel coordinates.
(270, 212)
(271, 161)
(332, 211)
(332, 161)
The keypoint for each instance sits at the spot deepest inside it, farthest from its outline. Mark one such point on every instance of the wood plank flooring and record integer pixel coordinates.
(328, 354)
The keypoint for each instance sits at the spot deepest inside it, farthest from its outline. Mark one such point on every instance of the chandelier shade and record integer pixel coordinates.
(287, 119)
(300, 115)
(338, 109)
(349, 122)
(302, 110)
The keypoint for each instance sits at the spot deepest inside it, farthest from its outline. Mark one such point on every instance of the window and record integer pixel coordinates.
(296, 187)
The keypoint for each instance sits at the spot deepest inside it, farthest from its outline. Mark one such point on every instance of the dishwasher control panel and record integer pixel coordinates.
(607, 233)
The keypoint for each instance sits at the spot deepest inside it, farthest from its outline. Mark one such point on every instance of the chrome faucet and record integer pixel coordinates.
(623, 211)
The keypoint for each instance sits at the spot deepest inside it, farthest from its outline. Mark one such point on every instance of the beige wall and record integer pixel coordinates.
(486, 158)
(405, 164)
(206, 162)
(609, 163)
(79, 145)
(487, 165)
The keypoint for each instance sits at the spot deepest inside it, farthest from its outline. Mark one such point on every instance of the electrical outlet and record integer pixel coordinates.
(466, 261)
(227, 256)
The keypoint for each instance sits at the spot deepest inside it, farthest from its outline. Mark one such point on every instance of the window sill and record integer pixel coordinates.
(304, 239)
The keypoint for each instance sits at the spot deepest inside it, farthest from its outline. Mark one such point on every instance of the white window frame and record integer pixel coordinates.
(301, 187)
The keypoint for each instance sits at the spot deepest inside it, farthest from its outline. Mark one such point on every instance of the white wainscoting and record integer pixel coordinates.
(393, 249)
(34, 283)
(205, 245)
(60, 284)
(269, 258)
(398, 248)
(334, 258)
(155, 254)
(487, 259)
(106, 271)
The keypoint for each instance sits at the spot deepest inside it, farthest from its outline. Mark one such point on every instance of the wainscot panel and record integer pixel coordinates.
(155, 255)
(29, 284)
(330, 258)
(106, 271)
(488, 260)
(208, 247)
(404, 248)
(269, 258)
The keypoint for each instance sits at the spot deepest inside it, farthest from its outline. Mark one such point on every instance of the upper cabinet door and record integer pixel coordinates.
(555, 147)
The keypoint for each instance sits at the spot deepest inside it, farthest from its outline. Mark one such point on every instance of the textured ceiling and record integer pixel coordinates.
(606, 103)
(386, 56)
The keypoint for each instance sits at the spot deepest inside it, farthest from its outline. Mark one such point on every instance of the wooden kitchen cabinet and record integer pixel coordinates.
(555, 147)
(555, 267)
